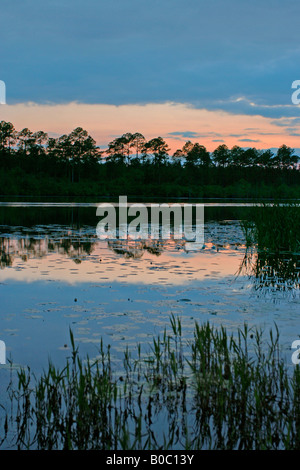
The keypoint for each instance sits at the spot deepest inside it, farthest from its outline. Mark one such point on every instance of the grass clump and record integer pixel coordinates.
(272, 256)
(274, 227)
(217, 391)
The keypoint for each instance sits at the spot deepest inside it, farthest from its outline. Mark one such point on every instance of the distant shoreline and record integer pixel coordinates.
(33, 164)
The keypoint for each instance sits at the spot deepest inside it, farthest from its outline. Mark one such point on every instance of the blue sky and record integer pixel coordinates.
(237, 56)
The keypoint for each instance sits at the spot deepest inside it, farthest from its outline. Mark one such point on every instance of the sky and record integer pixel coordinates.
(214, 71)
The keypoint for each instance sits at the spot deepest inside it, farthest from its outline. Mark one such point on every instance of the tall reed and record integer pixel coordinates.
(216, 391)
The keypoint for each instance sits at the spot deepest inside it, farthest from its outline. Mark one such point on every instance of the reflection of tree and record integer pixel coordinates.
(273, 271)
(74, 248)
(28, 247)
(136, 248)
(272, 257)
(77, 247)
(6, 257)
(122, 247)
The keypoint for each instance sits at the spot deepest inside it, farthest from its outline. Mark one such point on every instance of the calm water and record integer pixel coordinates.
(56, 275)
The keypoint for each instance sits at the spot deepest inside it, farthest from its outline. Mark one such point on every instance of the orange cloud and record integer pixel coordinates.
(172, 121)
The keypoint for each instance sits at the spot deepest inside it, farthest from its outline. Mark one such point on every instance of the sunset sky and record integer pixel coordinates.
(211, 72)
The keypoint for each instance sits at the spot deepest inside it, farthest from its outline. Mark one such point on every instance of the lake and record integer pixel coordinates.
(57, 275)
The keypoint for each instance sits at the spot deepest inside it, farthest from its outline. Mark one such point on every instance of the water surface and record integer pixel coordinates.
(56, 275)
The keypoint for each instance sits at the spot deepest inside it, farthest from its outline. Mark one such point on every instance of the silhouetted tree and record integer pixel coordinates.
(158, 148)
(221, 155)
(116, 151)
(265, 159)
(8, 136)
(285, 157)
(198, 155)
(138, 142)
(236, 155)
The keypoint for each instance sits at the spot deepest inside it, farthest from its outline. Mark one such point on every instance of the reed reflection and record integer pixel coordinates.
(272, 255)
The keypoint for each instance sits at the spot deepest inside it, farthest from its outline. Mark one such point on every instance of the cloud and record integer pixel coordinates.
(185, 134)
(291, 131)
(249, 140)
(133, 52)
(287, 122)
(192, 134)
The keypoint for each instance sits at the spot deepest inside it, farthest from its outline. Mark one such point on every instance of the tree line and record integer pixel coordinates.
(133, 163)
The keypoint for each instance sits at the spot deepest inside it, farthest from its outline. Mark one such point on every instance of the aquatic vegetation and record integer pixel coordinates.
(272, 256)
(218, 391)
(274, 227)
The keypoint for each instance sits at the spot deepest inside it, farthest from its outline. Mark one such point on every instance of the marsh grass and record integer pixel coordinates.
(274, 228)
(272, 255)
(217, 391)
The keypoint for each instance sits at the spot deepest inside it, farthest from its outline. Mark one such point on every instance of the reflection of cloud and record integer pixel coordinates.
(105, 266)
(82, 257)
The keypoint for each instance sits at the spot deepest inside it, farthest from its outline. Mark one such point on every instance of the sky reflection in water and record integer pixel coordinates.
(54, 277)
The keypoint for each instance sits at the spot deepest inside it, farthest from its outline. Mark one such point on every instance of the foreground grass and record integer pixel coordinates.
(219, 391)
